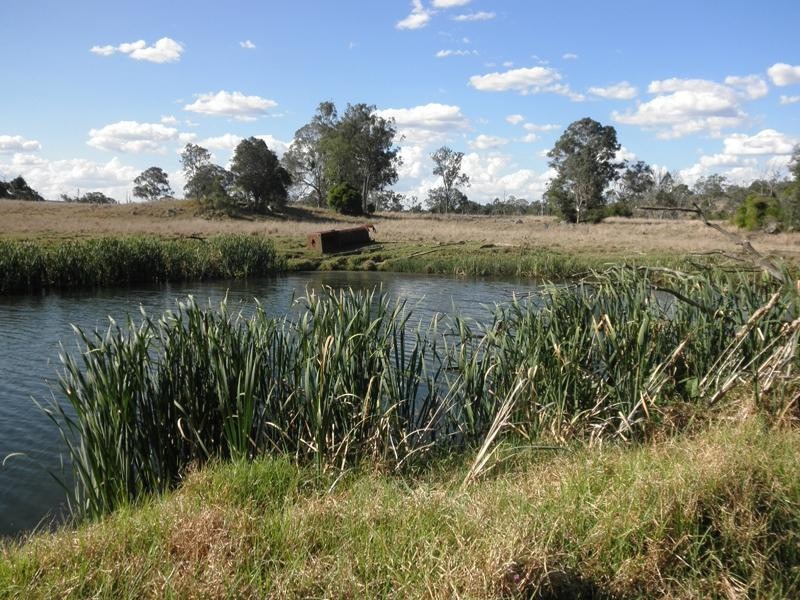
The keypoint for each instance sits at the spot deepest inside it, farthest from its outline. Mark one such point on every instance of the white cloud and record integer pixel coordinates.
(475, 16)
(564, 90)
(163, 51)
(134, 137)
(624, 154)
(766, 141)
(17, 143)
(545, 127)
(414, 158)
(790, 99)
(169, 120)
(231, 104)
(569, 56)
(446, 53)
(782, 74)
(487, 142)
(619, 91)
(529, 138)
(51, 178)
(247, 45)
(418, 18)
(753, 86)
(229, 141)
(515, 119)
(686, 106)
(449, 3)
(525, 80)
(426, 123)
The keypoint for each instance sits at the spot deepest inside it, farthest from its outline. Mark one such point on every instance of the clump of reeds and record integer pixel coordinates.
(350, 379)
(27, 266)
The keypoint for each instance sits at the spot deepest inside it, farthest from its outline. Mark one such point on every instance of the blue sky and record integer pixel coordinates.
(94, 92)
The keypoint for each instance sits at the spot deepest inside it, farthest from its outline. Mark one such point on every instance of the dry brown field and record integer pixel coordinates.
(178, 218)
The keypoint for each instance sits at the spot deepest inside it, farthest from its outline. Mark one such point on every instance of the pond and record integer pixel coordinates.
(33, 327)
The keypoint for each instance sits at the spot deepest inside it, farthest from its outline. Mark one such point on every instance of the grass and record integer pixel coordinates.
(712, 514)
(349, 381)
(29, 266)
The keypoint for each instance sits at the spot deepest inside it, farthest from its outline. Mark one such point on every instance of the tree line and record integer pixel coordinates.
(349, 162)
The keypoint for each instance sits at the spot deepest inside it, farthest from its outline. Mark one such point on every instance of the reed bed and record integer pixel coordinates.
(352, 378)
(28, 266)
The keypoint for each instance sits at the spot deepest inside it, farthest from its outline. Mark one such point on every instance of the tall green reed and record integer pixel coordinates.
(28, 266)
(352, 378)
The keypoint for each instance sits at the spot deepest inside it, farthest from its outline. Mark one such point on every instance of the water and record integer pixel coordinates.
(32, 328)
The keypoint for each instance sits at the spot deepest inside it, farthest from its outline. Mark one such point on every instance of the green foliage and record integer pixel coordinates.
(89, 198)
(152, 184)
(344, 198)
(27, 266)
(757, 212)
(18, 189)
(583, 158)
(447, 165)
(259, 175)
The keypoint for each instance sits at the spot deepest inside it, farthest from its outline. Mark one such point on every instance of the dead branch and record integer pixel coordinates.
(766, 265)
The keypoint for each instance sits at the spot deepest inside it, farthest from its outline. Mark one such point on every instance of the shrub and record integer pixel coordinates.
(757, 211)
(344, 198)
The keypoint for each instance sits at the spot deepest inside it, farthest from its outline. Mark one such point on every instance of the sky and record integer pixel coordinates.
(93, 92)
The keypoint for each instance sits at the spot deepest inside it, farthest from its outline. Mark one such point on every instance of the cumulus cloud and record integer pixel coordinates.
(231, 104)
(163, 51)
(169, 120)
(53, 177)
(487, 142)
(16, 143)
(475, 16)
(782, 74)
(515, 119)
(418, 18)
(766, 141)
(446, 53)
(619, 91)
(247, 45)
(687, 106)
(569, 56)
(524, 80)
(790, 99)
(426, 123)
(449, 3)
(229, 141)
(135, 137)
(753, 86)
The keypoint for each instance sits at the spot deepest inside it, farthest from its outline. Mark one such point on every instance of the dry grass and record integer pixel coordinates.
(181, 218)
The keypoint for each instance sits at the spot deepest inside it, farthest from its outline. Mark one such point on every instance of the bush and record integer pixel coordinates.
(344, 198)
(757, 212)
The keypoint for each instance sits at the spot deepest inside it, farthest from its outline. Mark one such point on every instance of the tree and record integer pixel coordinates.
(305, 158)
(360, 150)
(193, 158)
(447, 165)
(636, 182)
(19, 189)
(259, 174)
(212, 185)
(583, 158)
(344, 198)
(152, 184)
(89, 198)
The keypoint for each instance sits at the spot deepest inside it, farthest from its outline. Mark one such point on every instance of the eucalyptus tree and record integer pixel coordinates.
(152, 184)
(584, 161)
(259, 174)
(447, 165)
(305, 158)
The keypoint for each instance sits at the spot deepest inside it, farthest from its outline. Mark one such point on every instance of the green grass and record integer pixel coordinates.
(711, 514)
(33, 265)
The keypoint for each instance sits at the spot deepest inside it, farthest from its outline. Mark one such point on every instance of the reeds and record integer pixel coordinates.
(352, 379)
(27, 266)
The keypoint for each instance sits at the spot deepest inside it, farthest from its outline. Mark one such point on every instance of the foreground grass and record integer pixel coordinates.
(33, 265)
(712, 514)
